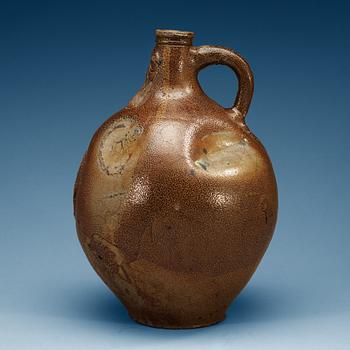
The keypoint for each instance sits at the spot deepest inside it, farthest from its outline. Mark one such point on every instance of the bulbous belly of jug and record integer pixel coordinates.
(175, 215)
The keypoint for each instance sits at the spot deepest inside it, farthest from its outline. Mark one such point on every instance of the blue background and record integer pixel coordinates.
(67, 66)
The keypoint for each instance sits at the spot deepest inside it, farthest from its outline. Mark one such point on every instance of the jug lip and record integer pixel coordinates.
(174, 37)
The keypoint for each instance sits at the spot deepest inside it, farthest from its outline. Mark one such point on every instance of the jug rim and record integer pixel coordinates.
(174, 37)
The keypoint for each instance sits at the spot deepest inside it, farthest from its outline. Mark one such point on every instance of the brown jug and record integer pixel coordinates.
(176, 200)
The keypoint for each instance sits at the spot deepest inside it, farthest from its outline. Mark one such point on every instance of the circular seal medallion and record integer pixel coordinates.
(118, 146)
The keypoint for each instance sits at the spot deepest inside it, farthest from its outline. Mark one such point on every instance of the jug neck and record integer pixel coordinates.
(171, 60)
(171, 74)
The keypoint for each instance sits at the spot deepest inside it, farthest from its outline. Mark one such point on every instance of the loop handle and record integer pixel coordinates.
(208, 55)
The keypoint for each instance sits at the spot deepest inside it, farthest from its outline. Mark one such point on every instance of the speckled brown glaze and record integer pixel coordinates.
(175, 199)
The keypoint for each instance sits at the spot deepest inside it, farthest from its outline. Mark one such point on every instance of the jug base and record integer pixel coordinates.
(163, 323)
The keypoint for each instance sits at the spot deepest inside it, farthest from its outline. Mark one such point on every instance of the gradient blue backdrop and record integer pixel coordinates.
(67, 66)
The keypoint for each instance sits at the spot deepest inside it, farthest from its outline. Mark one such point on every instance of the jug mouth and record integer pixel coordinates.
(174, 37)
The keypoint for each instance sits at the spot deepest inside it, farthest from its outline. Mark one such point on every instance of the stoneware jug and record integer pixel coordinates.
(176, 200)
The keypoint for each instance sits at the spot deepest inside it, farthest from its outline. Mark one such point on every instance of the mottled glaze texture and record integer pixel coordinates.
(175, 199)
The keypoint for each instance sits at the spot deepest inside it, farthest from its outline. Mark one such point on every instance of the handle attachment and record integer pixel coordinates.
(208, 55)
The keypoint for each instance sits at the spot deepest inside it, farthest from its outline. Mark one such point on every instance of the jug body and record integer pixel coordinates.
(176, 200)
